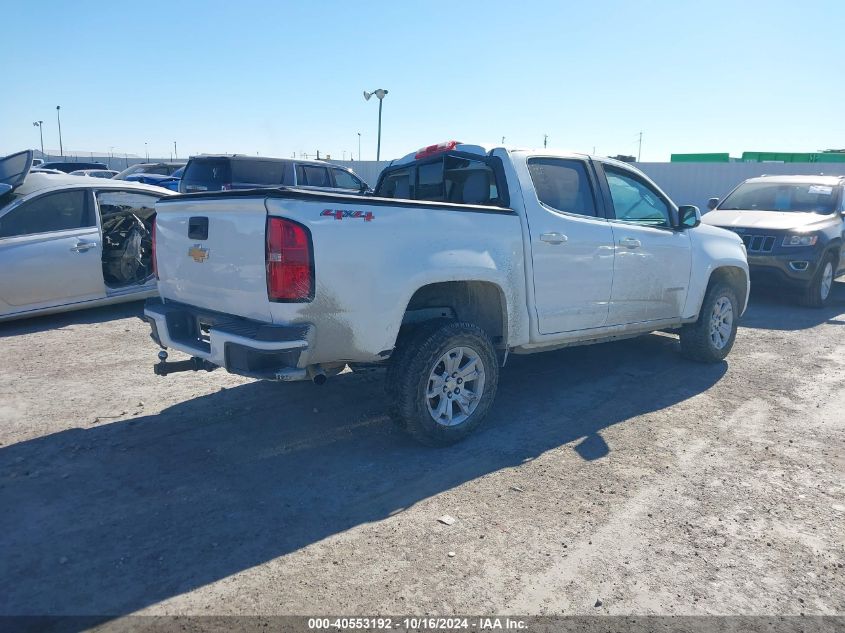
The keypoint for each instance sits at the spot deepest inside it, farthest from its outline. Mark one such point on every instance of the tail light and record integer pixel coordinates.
(153, 250)
(290, 262)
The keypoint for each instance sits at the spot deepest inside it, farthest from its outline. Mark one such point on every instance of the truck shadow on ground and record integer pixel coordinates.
(771, 309)
(109, 519)
(31, 325)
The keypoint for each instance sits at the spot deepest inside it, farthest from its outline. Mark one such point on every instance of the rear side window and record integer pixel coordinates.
(206, 175)
(52, 212)
(396, 184)
(563, 185)
(258, 172)
(312, 176)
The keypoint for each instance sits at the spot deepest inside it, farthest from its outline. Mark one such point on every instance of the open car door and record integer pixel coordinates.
(13, 170)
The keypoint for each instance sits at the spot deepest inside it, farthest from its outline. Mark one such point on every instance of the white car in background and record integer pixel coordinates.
(95, 173)
(69, 242)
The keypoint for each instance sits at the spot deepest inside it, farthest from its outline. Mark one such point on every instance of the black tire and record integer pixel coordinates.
(696, 341)
(418, 354)
(813, 295)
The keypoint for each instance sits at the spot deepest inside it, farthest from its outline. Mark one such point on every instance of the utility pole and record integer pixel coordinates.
(38, 124)
(503, 140)
(380, 94)
(545, 140)
(59, 119)
(640, 148)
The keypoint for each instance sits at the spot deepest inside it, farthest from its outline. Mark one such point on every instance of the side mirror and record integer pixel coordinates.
(689, 216)
(712, 203)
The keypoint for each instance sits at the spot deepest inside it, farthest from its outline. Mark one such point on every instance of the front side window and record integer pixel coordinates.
(52, 212)
(563, 185)
(634, 201)
(778, 196)
(344, 180)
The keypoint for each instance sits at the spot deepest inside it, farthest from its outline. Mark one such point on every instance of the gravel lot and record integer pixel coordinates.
(612, 479)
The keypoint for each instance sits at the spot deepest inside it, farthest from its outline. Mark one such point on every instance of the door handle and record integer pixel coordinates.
(81, 247)
(553, 238)
(630, 242)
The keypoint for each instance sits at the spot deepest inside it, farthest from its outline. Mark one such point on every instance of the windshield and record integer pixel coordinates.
(779, 196)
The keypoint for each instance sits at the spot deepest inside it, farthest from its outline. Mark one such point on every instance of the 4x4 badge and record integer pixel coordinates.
(198, 253)
(339, 214)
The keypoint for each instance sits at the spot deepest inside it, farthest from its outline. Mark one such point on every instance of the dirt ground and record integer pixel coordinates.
(612, 479)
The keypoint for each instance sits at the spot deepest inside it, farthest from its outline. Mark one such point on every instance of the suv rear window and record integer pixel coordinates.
(206, 175)
(211, 174)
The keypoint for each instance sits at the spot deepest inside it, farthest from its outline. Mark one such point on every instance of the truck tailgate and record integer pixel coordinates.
(210, 254)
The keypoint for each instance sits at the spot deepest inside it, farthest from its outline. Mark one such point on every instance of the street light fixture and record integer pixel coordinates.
(59, 119)
(380, 93)
(38, 124)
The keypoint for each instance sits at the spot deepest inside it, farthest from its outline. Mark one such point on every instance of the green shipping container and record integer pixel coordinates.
(715, 157)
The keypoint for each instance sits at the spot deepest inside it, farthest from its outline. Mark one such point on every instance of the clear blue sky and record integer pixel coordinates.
(283, 77)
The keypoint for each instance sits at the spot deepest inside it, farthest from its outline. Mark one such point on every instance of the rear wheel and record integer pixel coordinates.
(711, 337)
(817, 294)
(442, 380)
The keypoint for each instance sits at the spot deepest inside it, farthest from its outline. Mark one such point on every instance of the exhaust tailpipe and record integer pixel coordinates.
(317, 375)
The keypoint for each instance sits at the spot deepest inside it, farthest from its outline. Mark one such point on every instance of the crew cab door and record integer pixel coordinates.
(652, 259)
(50, 252)
(571, 245)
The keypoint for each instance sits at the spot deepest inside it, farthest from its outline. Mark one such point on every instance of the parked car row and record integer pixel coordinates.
(472, 254)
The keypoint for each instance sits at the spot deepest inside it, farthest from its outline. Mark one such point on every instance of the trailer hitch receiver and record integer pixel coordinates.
(162, 368)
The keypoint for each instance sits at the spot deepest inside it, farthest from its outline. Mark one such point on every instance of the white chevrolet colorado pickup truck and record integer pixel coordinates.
(463, 255)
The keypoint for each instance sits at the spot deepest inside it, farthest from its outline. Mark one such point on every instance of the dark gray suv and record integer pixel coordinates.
(793, 229)
(224, 172)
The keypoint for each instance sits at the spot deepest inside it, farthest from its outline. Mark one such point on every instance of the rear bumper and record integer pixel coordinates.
(241, 346)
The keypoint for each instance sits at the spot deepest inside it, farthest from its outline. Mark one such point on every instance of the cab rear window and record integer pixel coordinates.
(454, 179)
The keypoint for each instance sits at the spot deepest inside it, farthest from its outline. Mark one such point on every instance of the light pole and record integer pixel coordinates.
(175, 153)
(359, 147)
(38, 124)
(59, 119)
(146, 151)
(380, 94)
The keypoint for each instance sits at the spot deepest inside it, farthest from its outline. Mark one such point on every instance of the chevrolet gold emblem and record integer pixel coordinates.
(198, 253)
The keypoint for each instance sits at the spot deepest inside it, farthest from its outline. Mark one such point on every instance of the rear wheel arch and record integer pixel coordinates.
(480, 302)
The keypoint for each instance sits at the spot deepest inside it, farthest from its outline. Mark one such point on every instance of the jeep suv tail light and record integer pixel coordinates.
(290, 261)
(153, 250)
